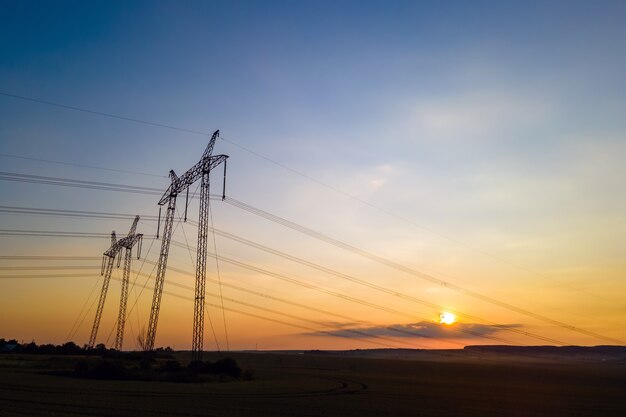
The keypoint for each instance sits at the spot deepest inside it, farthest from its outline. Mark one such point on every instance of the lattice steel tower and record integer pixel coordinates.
(108, 260)
(200, 170)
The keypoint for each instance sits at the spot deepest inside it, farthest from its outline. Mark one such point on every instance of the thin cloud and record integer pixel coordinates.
(423, 329)
(478, 115)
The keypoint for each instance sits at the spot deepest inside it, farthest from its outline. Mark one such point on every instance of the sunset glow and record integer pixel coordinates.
(386, 164)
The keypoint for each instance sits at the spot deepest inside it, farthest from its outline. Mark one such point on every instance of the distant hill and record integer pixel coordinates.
(481, 352)
(604, 352)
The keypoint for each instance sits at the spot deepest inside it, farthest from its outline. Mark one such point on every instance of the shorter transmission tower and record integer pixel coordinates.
(108, 260)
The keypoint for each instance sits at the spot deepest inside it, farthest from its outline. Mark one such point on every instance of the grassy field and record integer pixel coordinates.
(291, 384)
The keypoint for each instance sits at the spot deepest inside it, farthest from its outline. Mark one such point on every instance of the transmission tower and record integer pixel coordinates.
(127, 243)
(108, 259)
(200, 170)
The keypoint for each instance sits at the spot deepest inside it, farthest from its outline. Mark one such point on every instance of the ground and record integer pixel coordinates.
(318, 384)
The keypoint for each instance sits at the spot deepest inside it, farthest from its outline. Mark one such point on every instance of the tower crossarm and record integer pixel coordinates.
(113, 250)
(125, 242)
(179, 184)
(206, 164)
(129, 241)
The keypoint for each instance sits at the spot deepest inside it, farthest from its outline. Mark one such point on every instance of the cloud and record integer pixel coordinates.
(477, 115)
(378, 182)
(422, 329)
(378, 176)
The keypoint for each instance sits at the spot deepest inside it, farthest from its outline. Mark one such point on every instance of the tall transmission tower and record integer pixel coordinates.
(200, 171)
(108, 259)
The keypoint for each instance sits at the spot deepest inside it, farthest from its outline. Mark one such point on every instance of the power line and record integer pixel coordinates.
(71, 213)
(327, 325)
(252, 292)
(50, 161)
(217, 345)
(242, 289)
(193, 265)
(405, 219)
(67, 182)
(280, 313)
(48, 258)
(44, 233)
(366, 283)
(109, 215)
(120, 187)
(106, 215)
(47, 268)
(99, 113)
(46, 276)
(315, 309)
(270, 297)
(219, 277)
(55, 233)
(413, 272)
(338, 294)
(250, 267)
(345, 246)
(167, 126)
(132, 287)
(146, 281)
(296, 172)
(344, 276)
(71, 333)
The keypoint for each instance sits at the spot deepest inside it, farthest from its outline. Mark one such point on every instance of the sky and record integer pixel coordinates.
(471, 152)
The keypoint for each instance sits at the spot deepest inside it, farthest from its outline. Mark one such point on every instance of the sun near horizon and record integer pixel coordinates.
(447, 318)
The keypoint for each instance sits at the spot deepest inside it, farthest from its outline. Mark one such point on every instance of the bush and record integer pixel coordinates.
(171, 366)
(109, 370)
(225, 366)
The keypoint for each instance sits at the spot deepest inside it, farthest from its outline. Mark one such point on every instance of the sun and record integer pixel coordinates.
(447, 318)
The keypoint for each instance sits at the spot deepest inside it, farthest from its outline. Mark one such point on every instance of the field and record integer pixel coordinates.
(439, 383)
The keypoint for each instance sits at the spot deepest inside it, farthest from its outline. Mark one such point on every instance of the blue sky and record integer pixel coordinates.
(499, 125)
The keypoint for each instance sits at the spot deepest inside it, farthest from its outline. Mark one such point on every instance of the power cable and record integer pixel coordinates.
(285, 315)
(111, 115)
(80, 323)
(67, 338)
(206, 310)
(71, 213)
(106, 215)
(299, 173)
(68, 182)
(360, 252)
(49, 161)
(45, 276)
(46, 233)
(219, 277)
(270, 297)
(338, 294)
(369, 284)
(282, 277)
(48, 258)
(405, 269)
(366, 283)
(47, 268)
